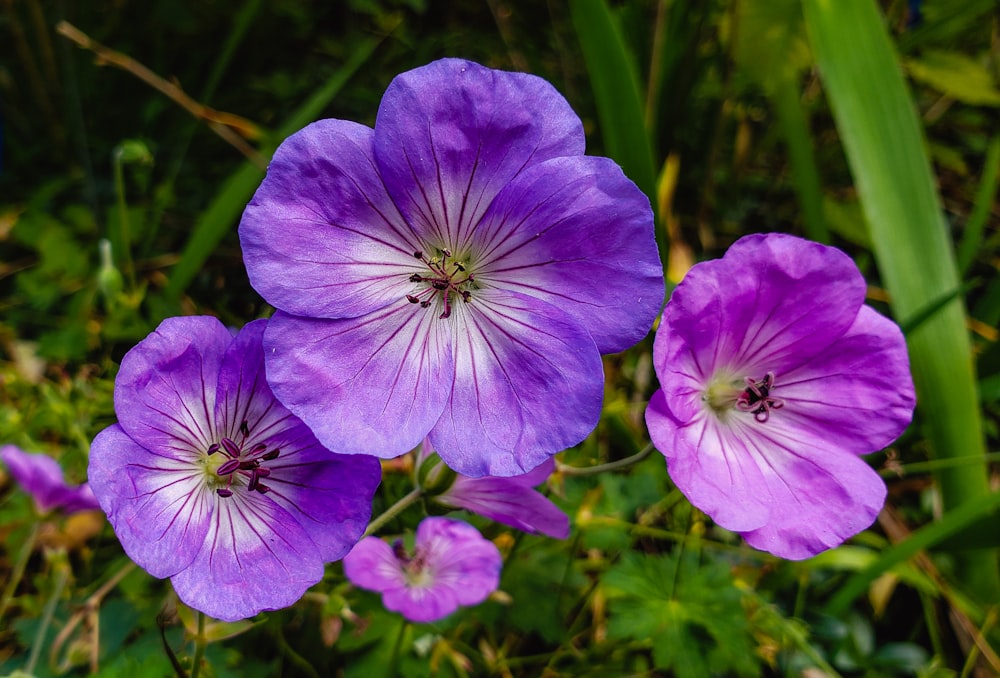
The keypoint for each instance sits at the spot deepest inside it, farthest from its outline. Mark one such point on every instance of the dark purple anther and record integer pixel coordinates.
(228, 467)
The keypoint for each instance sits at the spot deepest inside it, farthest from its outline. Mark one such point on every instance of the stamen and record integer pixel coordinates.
(231, 448)
(228, 467)
(444, 279)
(757, 399)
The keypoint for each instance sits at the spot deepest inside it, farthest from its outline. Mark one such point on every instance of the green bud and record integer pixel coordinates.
(434, 476)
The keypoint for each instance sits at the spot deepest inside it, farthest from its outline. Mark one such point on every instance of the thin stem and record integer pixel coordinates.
(394, 510)
(610, 466)
(19, 566)
(62, 576)
(899, 470)
(199, 646)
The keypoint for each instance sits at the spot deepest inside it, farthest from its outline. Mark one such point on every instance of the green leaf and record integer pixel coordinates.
(616, 92)
(956, 75)
(690, 611)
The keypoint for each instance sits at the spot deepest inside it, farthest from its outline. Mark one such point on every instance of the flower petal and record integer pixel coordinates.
(710, 466)
(509, 503)
(254, 557)
(41, 477)
(321, 237)
(372, 385)
(165, 389)
(330, 494)
(788, 494)
(820, 497)
(461, 560)
(772, 303)
(372, 565)
(859, 391)
(158, 506)
(528, 384)
(578, 234)
(451, 134)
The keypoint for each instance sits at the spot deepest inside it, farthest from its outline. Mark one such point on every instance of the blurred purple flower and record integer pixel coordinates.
(208, 480)
(451, 565)
(40, 476)
(775, 377)
(456, 272)
(512, 501)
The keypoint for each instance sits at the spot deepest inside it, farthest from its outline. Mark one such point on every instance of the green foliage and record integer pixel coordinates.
(689, 611)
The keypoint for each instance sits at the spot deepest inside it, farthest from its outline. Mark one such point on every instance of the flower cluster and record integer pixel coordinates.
(454, 275)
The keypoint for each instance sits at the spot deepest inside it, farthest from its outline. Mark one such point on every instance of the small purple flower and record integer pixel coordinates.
(208, 480)
(40, 476)
(456, 272)
(775, 377)
(512, 501)
(451, 565)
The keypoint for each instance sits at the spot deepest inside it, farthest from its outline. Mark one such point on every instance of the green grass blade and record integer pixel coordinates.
(227, 206)
(884, 144)
(920, 540)
(616, 93)
(972, 237)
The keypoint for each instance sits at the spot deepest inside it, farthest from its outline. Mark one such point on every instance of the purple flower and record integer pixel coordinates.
(454, 272)
(41, 477)
(451, 565)
(208, 480)
(775, 377)
(512, 501)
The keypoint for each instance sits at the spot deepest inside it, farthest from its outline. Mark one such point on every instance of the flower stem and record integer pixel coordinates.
(62, 576)
(565, 469)
(199, 646)
(19, 566)
(394, 510)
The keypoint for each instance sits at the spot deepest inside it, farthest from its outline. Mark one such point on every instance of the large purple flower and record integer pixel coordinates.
(40, 476)
(451, 565)
(775, 377)
(208, 480)
(455, 271)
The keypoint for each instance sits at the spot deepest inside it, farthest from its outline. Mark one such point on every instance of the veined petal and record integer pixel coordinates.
(255, 556)
(822, 495)
(372, 565)
(451, 134)
(321, 237)
(370, 385)
(859, 391)
(158, 506)
(165, 389)
(577, 233)
(329, 494)
(461, 561)
(711, 465)
(528, 384)
(772, 303)
(243, 394)
(508, 502)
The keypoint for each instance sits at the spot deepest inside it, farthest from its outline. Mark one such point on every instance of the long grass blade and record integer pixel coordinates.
(884, 144)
